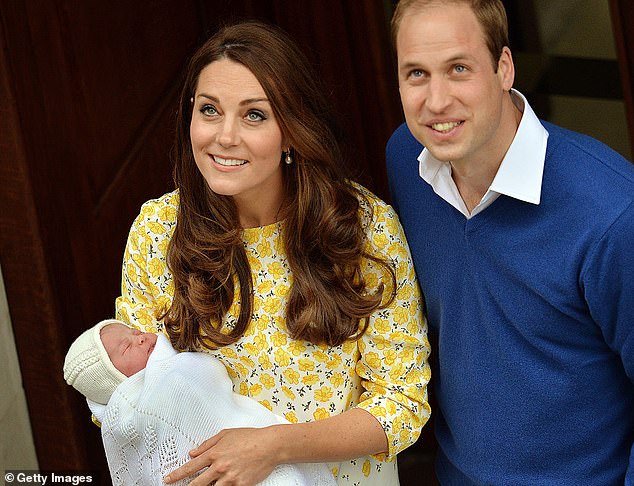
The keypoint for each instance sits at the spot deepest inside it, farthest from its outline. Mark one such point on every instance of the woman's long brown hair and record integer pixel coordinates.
(324, 233)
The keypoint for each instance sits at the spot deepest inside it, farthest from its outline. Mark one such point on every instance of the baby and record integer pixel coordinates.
(156, 404)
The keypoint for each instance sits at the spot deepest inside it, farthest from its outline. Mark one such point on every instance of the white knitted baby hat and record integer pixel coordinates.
(88, 368)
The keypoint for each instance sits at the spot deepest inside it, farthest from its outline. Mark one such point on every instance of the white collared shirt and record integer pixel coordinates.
(519, 175)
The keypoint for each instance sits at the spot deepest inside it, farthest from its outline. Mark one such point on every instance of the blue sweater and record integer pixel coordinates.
(533, 309)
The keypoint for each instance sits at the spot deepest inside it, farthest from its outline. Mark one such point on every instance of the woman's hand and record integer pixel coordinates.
(241, 457)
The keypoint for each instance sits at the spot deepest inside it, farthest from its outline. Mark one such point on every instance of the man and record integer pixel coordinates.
(523, 240)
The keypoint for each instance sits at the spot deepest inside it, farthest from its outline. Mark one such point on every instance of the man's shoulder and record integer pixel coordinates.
(586, 152)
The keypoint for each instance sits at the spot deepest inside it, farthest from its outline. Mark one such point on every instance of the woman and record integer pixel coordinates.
(268, 258)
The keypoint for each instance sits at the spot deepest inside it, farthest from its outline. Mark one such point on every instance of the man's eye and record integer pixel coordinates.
(460, 69)
(416, 73)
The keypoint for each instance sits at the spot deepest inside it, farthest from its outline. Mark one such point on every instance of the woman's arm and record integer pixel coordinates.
(247, 456)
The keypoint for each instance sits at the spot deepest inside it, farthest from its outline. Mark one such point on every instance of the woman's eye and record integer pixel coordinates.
(255, 116)
(208, 110)
(460, 69)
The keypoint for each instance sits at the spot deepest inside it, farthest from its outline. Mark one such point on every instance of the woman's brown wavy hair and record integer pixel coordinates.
(323, 228)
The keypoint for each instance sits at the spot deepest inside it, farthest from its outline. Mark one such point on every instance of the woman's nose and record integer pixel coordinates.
(228, 133)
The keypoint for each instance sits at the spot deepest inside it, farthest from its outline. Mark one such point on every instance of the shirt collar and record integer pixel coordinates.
(520, 173)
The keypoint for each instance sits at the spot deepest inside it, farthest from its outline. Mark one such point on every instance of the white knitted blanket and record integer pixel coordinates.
(155, 417)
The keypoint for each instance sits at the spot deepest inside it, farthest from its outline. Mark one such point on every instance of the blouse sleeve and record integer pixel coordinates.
(393, 365)
(146, 285)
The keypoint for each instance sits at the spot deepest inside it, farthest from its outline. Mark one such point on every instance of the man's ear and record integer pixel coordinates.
(506, 69)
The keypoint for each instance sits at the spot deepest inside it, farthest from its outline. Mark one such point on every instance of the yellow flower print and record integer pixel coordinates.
(244, 389)
(276, 270)
(380, 240)
(296, 347)
(382, 325)
(241, 369)
(248, 362)
(391, 408)
(147, 210)
(169, 290)
(131, 272)
(371, 280)
(306, 364)
(323, 394)
(281, 290)
(145, 281)
(265, 287)
(291, 376)
(397, 371)
(310, 380)
(320, 414)
(337, 380)
(156, 228)
(167, 213)
(348, 346)
(250, 237)
(405, 293)
(265, 361)
(404, 435)
(255, 389)
(334, 362)
(291, 417)
(289, 393)
(269, 230)
(378, 411)
(254, 263)
(263, 322)
(156, 267)
(406, 354)
(267, 404)
(397, 250)
(261, 342)
(264, 249)
(402, 270)
(232, 373)
(163, 303)
(251, 349)
(268, 381)
(282, 358)
(389, 357)
(366, 468)
(373, 360)
(279, 338)
(123, 313)
(321, 356)
(143, 318)
(272, 305)
(401, 315)
(138, 259)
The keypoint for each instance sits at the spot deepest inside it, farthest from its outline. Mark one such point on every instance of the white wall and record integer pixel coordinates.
(16, 440)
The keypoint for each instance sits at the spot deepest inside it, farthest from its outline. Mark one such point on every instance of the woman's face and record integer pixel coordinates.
(236, 140)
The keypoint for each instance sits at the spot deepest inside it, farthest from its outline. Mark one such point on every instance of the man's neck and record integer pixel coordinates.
(474, 177)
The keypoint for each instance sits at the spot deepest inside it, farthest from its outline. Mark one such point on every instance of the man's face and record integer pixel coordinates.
(128, 349)
(452, 97)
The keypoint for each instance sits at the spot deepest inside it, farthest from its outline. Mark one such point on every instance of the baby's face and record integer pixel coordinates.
(129, 349)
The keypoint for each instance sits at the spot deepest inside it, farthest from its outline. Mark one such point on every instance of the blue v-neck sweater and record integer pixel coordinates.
(533, 309)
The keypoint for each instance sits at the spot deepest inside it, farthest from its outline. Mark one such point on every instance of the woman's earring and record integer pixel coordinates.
(289, 157)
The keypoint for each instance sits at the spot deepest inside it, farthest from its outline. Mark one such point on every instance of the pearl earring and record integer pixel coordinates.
(289, 157)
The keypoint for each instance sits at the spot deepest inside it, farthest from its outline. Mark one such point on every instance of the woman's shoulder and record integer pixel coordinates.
(373, 207)
(161, 210)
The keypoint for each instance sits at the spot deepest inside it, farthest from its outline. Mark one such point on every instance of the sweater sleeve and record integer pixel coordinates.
(394, 350)
(607, 281)
(146, 285)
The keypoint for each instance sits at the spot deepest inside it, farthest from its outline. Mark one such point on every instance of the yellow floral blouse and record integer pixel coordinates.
(385, 372)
